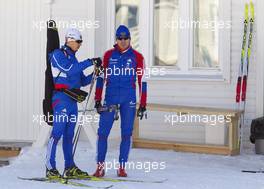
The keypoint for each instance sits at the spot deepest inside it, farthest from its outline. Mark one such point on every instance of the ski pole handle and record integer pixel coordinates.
(244, 88)
(238, 89)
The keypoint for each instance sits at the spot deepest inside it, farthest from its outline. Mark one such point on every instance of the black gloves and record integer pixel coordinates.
(141, 112)
(97, 62)
(98, 106)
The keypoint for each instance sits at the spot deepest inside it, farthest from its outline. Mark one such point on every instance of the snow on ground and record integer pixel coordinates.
(183, 170)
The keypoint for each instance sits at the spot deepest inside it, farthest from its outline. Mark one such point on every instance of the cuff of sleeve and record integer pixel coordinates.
(89, 62)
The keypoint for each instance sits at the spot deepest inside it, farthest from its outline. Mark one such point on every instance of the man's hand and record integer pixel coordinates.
(98, 68)
(98, 106)
(141, 112)
(97, 62)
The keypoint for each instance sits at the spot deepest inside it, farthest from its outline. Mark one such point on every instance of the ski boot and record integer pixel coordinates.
(121, 172)
(53, 174)
(74, 173)
(100, 172)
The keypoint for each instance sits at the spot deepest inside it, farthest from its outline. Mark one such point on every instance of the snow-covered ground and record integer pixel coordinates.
(183, 170)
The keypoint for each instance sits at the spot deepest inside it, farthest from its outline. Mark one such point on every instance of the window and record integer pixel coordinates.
(189, 38)
(165, 38)
(206, 35)
(127, 13)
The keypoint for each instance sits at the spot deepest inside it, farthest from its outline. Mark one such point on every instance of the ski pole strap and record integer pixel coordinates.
(76, 94)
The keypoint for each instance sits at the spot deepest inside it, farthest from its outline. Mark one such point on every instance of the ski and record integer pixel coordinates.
(244, 66)
(63, 181)
(241, 65)
(93, 178)
(245, 71)
(249, 171)
(240, 70)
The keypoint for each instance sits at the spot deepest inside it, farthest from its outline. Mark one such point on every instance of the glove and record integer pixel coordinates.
(98, 106)
(141, 112)
(99, 70)
(97, 62)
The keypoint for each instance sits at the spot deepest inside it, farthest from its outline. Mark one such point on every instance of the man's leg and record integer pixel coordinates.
(71, 170)
(59, 125)
(127, 112)
(105, 125)
(67, 143)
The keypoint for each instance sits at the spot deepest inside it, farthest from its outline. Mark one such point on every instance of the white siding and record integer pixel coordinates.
(22, 55)
(22, 60)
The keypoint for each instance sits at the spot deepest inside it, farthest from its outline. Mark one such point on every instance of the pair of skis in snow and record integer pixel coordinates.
(74, 182)
(241, 87)
(63, 181)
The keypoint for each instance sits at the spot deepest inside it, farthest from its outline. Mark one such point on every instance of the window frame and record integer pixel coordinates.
(183, 70)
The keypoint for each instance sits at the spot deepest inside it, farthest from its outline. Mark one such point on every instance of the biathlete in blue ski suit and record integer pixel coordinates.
(70, 74)
(123, 66)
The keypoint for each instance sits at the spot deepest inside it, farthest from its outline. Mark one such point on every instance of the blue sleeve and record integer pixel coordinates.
(86, 80)
(60, 61)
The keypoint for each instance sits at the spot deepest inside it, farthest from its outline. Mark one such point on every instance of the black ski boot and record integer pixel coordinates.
(74, 173)
(53, 174)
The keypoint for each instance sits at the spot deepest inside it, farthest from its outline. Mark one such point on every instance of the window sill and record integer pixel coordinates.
(188, 77)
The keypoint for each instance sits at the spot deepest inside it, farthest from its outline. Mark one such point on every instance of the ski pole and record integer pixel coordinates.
(77, 135)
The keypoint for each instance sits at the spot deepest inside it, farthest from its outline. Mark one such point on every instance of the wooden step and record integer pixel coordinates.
(11, 149)
(7, 152)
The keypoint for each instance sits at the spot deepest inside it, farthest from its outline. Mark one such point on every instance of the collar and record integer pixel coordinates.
(68, 50)
(119, 50)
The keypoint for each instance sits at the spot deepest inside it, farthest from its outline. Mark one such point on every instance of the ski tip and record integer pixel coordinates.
(252, 10)
(22, 178)
(246, 6)
(162, 181)
(109, 186)
(246, 12)
(247, 171)
(33, 178)
(250, 171)
(251, 4)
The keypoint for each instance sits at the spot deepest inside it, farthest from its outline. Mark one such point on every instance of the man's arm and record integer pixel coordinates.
(86, 79)
(60, 61)
(102, 78)
(142, 84)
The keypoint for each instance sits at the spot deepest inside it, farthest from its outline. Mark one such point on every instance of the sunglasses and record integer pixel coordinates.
(122, 38)
(79, 41)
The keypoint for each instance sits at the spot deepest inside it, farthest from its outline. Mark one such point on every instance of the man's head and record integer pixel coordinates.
(73, 39)
(123, 37)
